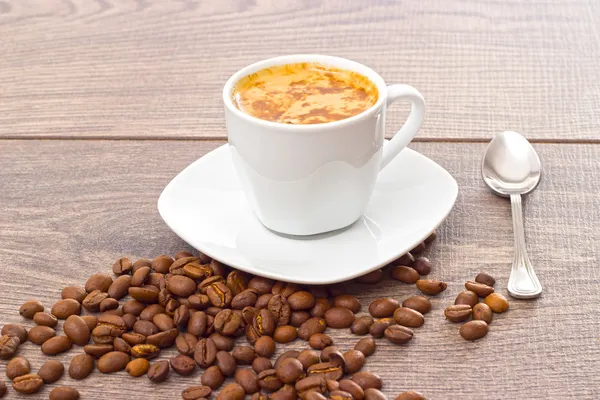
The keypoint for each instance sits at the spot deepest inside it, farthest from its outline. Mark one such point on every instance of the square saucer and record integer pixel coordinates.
(206, 206)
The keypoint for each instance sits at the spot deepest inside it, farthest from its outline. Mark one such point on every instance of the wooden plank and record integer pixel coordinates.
(155, 69)
(69, 208)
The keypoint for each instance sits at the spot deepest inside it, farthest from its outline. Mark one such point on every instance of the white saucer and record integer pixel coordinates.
(206, 207)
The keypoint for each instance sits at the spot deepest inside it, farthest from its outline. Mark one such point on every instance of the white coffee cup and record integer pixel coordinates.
(309, 179)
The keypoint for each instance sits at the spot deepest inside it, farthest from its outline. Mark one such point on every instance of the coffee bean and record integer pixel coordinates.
(351, 387)
(17, 366)
(474, 330)
(222, 342)
(196, 393)
(233, 391)
(301, 300)
(405, 274)
(122, 266)
(181, 285)
(159, 371)
(483, 312)
(497, 302)
(212, 377)
(314, 395)
(289, 370)
(108, 304)
(485, 279)
(91, 303)
(322, 304)
(15, 330)
(431, 286)
(28, 384)
(284, 356)
(372, 277)
(311, 384)
(120, 287)
(177, 267)
(219, 295)
(263, 300)
(56, 345)
(327, 370)
(81, 366)
(458, 312)
(383, 307)
(133, 307)
(114, 323)
(243, 299)
(186, 343)
(183, 365)
(113, 362)
(347, 301)
(410, 395)
(29, 308)
(51, 371)
(98, 350)
(379, 326)
(361, 325)
(227, 322)
(134, 338)
(76, 293)
(265, 346)
(226, 363)
(237, 281)
(212, 311)
(339, 317)
(205, 352)
(285, 334)
(140, 276)
(308, 357)
(261, 285)
(264, 323)
(138, 367)
(181, 316)
(311, 326)
(145, 328)
(39, 334)
(374, 394)
(398, 334)
(99, 282)
(121, 345)
(4, 389)
(260, 364)
(408, 317)
(279, 306)
(297, 318)
(77, 330)
(419, 248)
(422, 265)
(45, 319)
(337, 358)
(163, 322)
(129, 320)
(269, 381)
(407, 259)
(480, 289)
(205, 284)
(147, 351)
(161, 263)
(197, 271)
(367, 380)
(418, 303)
(197, 323)
(64, 393)
(248, 380)
(467, 297)
(320, 341)
(333, 385)
(145, 294)
(327, 351)
(287, 392)
(355, 360)
(244, 355)
(150, 311)
(340, 395)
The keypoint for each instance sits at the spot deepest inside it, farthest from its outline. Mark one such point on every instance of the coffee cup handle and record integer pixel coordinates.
(412, 125)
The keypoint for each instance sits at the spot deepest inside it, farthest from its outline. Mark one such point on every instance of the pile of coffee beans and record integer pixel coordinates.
(201, 307)
(467, 305)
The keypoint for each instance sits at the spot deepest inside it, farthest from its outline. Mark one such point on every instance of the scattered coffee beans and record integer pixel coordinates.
(51, 371)
(418, 303)
(81, 366)
(486, 279)
(483, 312)
(474, 330)
(410, 395)
(497, 302)
(408, 317)
(28, 384)
(16, 367)
(458, 313)
(15, 330)
(431, 286)
(158, 371)
(383, 307)
(30, 308)
(64, 393)
(479, 288)
(137, 367)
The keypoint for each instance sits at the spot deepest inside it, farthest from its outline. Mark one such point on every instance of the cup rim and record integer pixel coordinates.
(334, 61)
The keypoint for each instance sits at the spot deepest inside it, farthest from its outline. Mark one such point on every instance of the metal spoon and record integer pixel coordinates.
(511, 168)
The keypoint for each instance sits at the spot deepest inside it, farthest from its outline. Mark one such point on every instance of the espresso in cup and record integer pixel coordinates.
(304, 93)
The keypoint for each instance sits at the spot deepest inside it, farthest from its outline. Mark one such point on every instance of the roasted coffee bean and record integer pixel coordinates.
(205, 352)
(15, 330)
(39, 334)
(301, 300)
(474, 330)
(140, 276)
(407, 259)
(63, 309)
(280, 308)
(374, 394)
(186, 343)
(129, 320)
(182, 254)
(265, 346)
(91, 302)
(233, 391)
(332, 385)
(418, 303)
(212, 377)
(458, 312)
(353, 388)
(3, 389)
(212, 311)
(327, 351)
(121, 345)
(287, 392)
(163, 322)
(181, 316)
(197, 271)
(147, 351)
(114, 322)
(379, 326)
(328, 370)
(410, 395)
(30, 308)
(372, 277)
(81, 366)
(177, 267)
(56, 345)
(142, 262)
(17, 366)
(422, 265)
(162, 263)
(98, 350)
(45, 319)
(286, 289)
(150, 311)
(480, 289)
(285, 334)
(383, 307)
(196, 393)
(322, 304)
(77, 330)
(64, 393)
(314, 395)
(181, 285)
(284, 356)
(290, 370)
(205, 284)
(227, 322)
(355, 360)
(183, 365)
(260, 364)
(137, 367)
(145, 328)
(51, 371)
(99, 282)
(366, 380)
(259, 396)
(133, 307)
(261, 285)
(222, 342)
(269, 381)
(118, 312)
(431, 286)
(145, 294)
(467, 297)
(419, 248)
(483, 312)
(263, 300)
(243, 299)
(313, 383)
(164, 296)
(122, 266)
(108, 304)
(297, 318)
(408, 317)
(320, 341)
(485, 279)
(336, 289)
(76, 293)
(337, 358)
(497, 302)
(120, 287)
(310, 327)
(405, 274)
(157, 280)
(226, 363)
(340, 395)
(244, 355)
(28, 384)
(134, 338)
(361, 325)
(247, 379)
(308, 357)
(347, 301)
(237, 281)
(398, 334)
(197, 323)
(264, 323)
(113, 362)
(219, 294)
(159, 371)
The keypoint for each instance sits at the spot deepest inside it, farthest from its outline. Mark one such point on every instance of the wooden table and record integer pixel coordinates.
(103, 102)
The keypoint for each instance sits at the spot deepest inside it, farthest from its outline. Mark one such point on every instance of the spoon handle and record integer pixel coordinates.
(523, 283)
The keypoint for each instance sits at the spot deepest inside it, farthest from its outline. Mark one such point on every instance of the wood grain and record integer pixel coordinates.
(69, 208)
(155, 69)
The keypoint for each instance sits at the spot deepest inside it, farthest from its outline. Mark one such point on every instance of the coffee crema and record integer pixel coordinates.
(304, 93)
